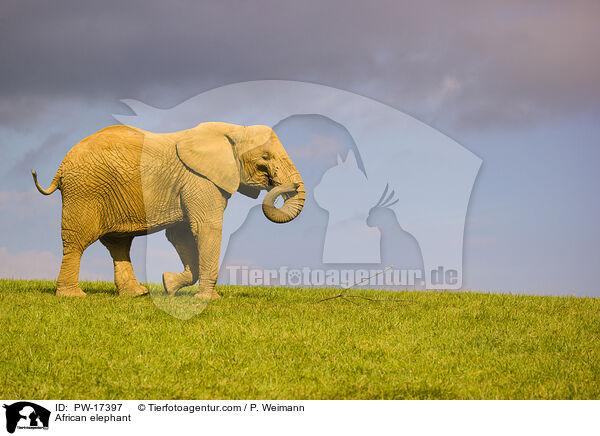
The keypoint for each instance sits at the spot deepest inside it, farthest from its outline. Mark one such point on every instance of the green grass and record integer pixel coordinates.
(276, 343)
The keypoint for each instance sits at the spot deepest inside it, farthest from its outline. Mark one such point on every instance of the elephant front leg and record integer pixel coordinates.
(208, 238)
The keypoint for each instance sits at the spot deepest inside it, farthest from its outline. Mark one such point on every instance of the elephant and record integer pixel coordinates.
(123, 182)
(432, 175)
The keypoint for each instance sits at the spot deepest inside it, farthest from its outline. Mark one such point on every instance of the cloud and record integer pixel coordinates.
(39, 155)
(473, 63)
(28, 264)
(448, 87)
(33, 264)
(27, 208)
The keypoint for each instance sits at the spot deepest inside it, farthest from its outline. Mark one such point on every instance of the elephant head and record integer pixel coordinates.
(246, 159)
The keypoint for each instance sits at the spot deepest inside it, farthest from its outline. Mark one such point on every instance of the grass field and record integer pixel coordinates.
(276, 343)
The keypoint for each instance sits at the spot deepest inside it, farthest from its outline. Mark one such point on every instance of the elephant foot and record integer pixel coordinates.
(207, 294)
(132, 289)
(171, 282)
(70, 291)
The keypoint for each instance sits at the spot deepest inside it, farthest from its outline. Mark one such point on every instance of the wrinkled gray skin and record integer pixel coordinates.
(122, 182)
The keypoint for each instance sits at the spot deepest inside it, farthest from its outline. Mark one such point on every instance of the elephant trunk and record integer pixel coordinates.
(294, 195)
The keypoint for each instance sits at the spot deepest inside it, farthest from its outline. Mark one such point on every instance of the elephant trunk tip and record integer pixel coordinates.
(294, 195)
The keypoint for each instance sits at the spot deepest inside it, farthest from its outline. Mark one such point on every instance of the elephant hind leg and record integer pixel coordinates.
(125, 279)
(183, 240)
(67, 284)
(74, 243)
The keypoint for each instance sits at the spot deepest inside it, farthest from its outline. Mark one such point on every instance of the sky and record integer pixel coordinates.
(516, 83)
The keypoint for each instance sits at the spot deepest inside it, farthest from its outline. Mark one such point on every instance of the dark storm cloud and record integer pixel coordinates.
(36, 157)
(478, 63)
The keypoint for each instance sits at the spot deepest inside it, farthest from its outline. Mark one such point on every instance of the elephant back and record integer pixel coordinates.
(105, 166)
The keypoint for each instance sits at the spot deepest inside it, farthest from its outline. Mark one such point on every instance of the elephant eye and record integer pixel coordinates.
(261, 165)
(266, 156)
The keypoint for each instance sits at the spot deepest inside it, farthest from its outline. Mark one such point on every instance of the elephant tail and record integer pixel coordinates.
(53, 186)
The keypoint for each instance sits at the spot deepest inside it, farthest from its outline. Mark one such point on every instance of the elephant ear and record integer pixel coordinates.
(207, 150)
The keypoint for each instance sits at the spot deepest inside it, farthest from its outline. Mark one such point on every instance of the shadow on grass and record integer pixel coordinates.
(94, 288)
(244, 294)
(23, 286)
(183, 305)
